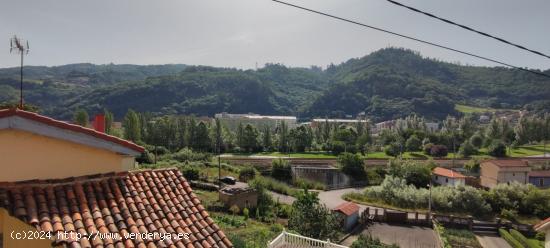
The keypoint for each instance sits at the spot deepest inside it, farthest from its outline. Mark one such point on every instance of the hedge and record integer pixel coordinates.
(525, 241)
(510, 239)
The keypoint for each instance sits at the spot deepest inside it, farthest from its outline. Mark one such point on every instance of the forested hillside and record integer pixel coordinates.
(386, 84)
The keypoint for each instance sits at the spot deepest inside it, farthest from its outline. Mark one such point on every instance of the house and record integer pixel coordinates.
(77, 187)
(349, 212)
(242, 197)
(497, 171)
(447, 177)
(540, 179)
(544, 226)
(44, 148)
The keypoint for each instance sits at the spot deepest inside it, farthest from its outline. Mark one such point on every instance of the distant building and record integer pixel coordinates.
(349, 213)
(378, 127)
(447, 177)
(232, 121)
(317, 122)
(432, 126)
(540, 179)
(484, 119)
(498, 171)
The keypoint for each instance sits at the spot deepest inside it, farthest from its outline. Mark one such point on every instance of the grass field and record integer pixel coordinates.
(472, 109)
(521, 151)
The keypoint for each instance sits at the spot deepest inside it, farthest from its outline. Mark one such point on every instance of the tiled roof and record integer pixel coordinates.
(541, 173)
(447, 173)
(508, 162)
(125, 203)
(542, 224)
(72, 127)
(347, 208)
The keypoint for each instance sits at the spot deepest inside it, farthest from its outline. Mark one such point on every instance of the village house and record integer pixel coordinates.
(75, 187)
(447, 177)
(349, 213)
(242, 197)
(493, 172)
(540, 179)
(544, 227)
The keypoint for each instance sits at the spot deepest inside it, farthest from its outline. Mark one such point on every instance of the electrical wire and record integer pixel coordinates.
(469, 28)
(412, 38)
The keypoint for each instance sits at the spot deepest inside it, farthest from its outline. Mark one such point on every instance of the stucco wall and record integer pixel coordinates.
(442, 180)
(13, 231)
(40, 157)
(511, 176)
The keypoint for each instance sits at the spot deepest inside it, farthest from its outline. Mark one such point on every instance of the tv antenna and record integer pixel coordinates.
(20, 46)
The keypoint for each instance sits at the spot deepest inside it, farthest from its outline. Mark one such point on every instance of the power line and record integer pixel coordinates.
(412, 38)
(469, 28)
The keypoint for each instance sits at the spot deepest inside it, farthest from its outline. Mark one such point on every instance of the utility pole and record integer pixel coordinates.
(21, 47)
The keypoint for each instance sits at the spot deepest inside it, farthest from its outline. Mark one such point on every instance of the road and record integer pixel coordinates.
(492, 241)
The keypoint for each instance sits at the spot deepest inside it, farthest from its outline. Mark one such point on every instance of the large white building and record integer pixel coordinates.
(317, 122)
(232, 121)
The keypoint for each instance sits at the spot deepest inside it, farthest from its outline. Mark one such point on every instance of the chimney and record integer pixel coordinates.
(99, 123)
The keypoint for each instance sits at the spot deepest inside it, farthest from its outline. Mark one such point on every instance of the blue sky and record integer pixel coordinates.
(241, 33)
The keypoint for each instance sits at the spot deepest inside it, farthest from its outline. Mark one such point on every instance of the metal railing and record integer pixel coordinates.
(290, 240)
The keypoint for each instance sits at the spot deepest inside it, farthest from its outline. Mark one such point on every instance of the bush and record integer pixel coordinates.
(510, 215)
(281, 170)
(246, 213)
(284, 211)
(337, 147)
(467, 149)
(508, 237)
(191, 173)
(187, 155)
(393, 149)
(352, 165)
(428, 148)
(273, 185)
(476, 141)
(247, 173)
(308, 184)
(472, 165)
(413, 143)
(523, 240)
(497, 149)
(439, 151)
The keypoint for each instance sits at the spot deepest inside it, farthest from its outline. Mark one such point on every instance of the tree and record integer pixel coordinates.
(476, 140)
(352, 165)
(201, 139)
(81, 117)
(267, 142)
(312, 219)
(218, 135)
(109, 118)
(413, 143)
(439, 151)
(250, 138)
(301, 138)
(497, 149)
(467, 149)
(281, 170)
(283, 137)
(394, 149)
(131, 126)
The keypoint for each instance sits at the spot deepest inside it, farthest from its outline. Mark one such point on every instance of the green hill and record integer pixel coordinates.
(386, 84)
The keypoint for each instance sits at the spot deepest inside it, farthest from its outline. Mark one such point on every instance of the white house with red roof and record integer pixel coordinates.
(447, 177)
(350, 214)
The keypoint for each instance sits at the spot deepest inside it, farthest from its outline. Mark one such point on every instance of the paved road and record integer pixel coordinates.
(404, 236)
(487, 241)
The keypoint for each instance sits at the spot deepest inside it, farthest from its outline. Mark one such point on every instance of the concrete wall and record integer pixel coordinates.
(12, 230)
(242, 200)
(442, 180)
(41, 157)
(331, 177)
(511, 176)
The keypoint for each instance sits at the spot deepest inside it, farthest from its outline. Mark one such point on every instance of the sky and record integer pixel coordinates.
(249, 33)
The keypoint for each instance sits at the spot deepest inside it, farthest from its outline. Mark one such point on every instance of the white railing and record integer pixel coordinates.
(290, 240)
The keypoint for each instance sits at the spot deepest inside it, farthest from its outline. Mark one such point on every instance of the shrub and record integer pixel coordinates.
(308, 184)
(472, 165)
(476, 141)
(246, 213)
(352, 165)
(191, 173)
(439, 151)
(510, 215)
(337, 147)
(281, 170)
(273, 185)
(393, 149)
(247, 173)
(523, 240)
(508, 237)
(467, 149)
(413, 143)
(497, 149)
(428, 148)
(187, 155)
(284, 210)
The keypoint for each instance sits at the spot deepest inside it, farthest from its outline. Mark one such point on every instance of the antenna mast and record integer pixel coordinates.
(20, 46)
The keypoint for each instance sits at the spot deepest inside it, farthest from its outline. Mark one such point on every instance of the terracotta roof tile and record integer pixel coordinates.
(447, 173)
(540, 173)
(135, 202)
(347, 208)
(541, 224)
(508, 162)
